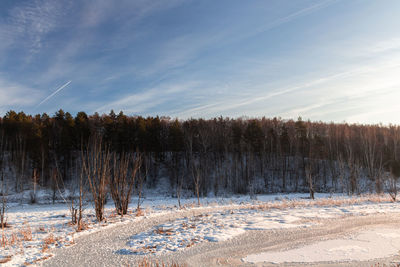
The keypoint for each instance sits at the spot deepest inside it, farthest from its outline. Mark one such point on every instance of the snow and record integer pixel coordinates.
(221, 226)
(210, 227)
(45, 227)
(365, 245)
(240, 214)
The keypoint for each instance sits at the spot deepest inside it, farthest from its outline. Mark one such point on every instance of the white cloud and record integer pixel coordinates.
(183, 49)
(16, 96)
(384, 46)
(145, 101)
(31, 21)
(354, 87)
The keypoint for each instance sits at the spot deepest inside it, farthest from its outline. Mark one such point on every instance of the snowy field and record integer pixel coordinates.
(36, 231)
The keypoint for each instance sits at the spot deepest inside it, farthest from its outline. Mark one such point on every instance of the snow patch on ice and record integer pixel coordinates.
(367, 245)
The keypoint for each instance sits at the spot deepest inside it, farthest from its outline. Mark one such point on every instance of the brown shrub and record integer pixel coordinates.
(26, 234)
(41, 229)
(45, 248)
(139, 212)
(5, 259)
(162, 231)
(82, 226)
(50, 239)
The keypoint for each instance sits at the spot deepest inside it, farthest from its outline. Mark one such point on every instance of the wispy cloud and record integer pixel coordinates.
(314, 94)
(53, 94)
(224, 105)
(291, 17)
(148, 99)
(182, 50)
(16, 96)
(384, 46)
(30, 21)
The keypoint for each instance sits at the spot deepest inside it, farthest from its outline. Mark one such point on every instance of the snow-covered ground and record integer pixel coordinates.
(36, 229)
(210, 227)
(220, 226)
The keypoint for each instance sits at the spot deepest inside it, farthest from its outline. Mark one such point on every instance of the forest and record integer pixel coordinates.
(202, 156)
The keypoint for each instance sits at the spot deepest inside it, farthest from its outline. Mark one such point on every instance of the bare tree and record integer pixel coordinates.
(392, 187)
(3, 208)
(341, 166)
(96, 167)
(77, 207)
(310, 181)
(308, 168)
(82, 194)
(352, 161)
(122, 180)
(196, 173)
(2, 149)
(141, 178)
(176, 171)
(353, 173)
(3, 190)
(179, 186)
(55, 180)
(35, 179)
(372, 157)
(19, 160)
(42, 163)
(73, 208)
(393, 176)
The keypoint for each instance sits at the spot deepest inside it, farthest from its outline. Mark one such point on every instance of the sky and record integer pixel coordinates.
(328, 60)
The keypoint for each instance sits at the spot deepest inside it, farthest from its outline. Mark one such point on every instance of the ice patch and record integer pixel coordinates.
(372, 244)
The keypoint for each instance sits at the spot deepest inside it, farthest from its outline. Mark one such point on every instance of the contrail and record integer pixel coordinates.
(53, 94)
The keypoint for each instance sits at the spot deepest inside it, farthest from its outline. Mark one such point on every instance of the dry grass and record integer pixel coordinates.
(5, 225)
(37, 260)
(9, 241)
(5, 259)
(190, 243)
(50, 239)
(82, 226)
(385, 265)
(21, 246)
(4, 240)
(323, 202)
(47, 241)
(113, 214)
(145, 262)
(26, 233)
(41, 229)
(14, 239)
(189, 205)
(162, 231)
(186, 225)
(45, 248)
(139, 212)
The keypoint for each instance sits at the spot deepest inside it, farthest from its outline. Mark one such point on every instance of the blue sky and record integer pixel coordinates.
(330, 60)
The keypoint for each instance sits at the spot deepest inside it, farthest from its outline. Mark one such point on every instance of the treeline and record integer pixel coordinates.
(219, 155)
